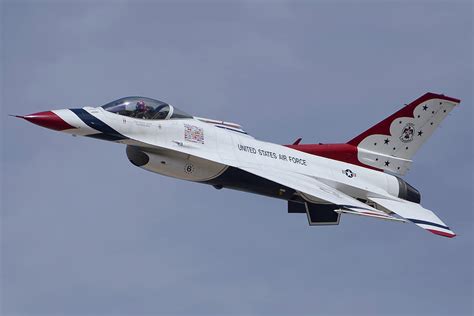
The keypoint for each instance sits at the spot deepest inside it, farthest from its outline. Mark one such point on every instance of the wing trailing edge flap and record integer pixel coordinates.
(416, 214)
(317, 192)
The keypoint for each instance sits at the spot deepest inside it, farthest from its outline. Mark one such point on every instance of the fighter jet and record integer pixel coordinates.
(360, 177)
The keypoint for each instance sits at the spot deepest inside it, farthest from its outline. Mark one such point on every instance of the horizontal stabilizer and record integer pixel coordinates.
(415, 213)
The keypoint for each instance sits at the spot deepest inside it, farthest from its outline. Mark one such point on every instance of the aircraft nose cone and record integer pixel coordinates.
(47, 119)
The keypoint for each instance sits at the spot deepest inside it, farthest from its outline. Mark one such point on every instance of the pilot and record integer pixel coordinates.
(141, 109)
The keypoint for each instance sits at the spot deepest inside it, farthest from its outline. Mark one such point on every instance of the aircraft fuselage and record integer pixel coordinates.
(188, 149)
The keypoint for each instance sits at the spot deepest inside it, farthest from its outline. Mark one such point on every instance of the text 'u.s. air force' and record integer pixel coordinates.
(271, 154)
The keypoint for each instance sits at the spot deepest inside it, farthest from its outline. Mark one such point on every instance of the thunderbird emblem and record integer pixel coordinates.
(407, 133)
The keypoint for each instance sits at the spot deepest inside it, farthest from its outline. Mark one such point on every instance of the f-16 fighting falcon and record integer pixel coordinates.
(323, 181)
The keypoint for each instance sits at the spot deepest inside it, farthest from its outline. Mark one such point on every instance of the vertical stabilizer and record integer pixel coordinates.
(391, 144)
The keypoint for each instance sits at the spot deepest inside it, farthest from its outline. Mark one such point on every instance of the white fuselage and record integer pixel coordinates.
(194, 150)
(321, 180)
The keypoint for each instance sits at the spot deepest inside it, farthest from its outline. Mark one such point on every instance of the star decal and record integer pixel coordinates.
(386, 141)
(420, 133)
(349, 173)
(425, 107)
(387, 163)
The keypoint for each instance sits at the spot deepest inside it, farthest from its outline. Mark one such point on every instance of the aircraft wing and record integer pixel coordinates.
(415, 213)
(316, 191)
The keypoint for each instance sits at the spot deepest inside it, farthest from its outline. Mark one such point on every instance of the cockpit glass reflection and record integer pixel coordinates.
(144, 108)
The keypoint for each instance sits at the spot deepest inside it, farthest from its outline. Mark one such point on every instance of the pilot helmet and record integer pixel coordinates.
(141, 106)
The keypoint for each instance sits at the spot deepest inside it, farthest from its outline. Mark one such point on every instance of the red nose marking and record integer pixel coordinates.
(47, 119)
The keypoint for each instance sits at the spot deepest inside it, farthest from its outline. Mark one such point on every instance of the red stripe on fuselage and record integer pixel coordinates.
(341, 152)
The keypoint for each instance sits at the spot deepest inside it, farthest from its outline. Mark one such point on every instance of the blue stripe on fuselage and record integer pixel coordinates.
(108, 132)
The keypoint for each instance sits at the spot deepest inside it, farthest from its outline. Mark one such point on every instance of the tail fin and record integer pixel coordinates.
(391, 144)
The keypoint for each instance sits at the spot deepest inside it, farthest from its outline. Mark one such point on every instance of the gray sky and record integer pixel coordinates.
(84, 232)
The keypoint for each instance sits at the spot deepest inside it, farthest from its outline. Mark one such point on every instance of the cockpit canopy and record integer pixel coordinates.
(145, 108)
